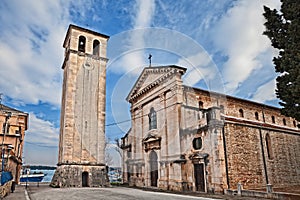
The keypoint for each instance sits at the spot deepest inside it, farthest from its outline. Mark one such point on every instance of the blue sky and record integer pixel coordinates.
(219, 41)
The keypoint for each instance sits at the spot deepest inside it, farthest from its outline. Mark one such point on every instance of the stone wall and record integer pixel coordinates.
(283, 167)
(247, 151)
(245, 162)
(71, 176)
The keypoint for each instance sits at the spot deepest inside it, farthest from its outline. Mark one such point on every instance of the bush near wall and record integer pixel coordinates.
(5, 189)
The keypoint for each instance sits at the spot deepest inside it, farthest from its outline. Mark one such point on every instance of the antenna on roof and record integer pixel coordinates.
(150, 56)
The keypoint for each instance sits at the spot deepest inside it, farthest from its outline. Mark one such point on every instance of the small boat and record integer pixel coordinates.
(27, 176)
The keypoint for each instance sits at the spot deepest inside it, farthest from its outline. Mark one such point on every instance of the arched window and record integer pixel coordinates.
(241, 113)
(256, 116)
(284, 121)
(273, 119)
(96, 48)
(81, 43)
(269, 146)
(152, 119)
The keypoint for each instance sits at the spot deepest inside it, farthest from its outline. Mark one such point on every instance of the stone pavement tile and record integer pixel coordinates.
(18, 194)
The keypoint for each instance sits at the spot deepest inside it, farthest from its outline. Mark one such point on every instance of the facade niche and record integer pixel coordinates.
(269, 146)
(81, 44)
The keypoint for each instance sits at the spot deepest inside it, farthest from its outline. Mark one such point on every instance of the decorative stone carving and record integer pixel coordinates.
(151, 142)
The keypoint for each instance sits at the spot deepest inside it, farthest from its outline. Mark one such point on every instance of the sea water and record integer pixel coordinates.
(48, 174)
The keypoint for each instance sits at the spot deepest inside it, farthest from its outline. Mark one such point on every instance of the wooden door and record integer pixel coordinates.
(85, 179)
(199, 177)
(153, 169)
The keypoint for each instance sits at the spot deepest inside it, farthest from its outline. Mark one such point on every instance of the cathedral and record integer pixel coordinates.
(181, 138)
(188, 139)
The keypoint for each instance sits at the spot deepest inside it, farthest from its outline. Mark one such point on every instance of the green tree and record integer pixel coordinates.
(283, 29)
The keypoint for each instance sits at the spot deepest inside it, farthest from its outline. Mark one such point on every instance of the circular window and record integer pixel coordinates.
(197, 143)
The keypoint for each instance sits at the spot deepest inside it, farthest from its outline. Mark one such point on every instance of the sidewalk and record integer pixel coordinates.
(18, 194)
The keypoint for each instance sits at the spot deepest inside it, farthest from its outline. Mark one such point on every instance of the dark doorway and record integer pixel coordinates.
(85, 179)
(153, 168)
(199, 177)
(128, 173)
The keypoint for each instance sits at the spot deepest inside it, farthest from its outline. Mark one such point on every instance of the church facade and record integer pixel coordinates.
(189, 139)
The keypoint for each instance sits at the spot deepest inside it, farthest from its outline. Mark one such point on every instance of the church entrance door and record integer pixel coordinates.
(199, 177)
(153, 168)
(85, 179)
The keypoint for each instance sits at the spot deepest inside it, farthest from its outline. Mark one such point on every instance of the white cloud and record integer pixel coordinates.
(41, 131)
(145, 11)
(134, 40)
(31, 50)
(266, 92)
(238, 35)
(199, 67)
(41, 142)
(31, 56)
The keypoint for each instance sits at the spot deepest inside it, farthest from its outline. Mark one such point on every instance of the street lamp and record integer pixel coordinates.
(17, 146)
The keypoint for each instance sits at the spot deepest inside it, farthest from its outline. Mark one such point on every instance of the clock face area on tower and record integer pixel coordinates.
(89, 64)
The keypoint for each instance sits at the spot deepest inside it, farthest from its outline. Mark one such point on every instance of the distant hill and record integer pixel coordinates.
(40, 167)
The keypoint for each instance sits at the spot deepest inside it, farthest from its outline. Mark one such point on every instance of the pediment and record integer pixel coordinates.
(151, 137)
(151, 77)
(151, 142)
(198, 156)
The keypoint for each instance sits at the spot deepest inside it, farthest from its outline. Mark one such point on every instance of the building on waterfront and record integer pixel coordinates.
(13, 125)
(115, 174)
(188, 139)
(81, 160)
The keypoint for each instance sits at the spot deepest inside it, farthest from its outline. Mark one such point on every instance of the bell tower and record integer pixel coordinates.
(81, 159)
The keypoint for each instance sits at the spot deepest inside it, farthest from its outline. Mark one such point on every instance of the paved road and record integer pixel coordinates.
(114, 193)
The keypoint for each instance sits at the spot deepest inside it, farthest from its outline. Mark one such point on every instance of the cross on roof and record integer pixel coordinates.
(150, 56)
